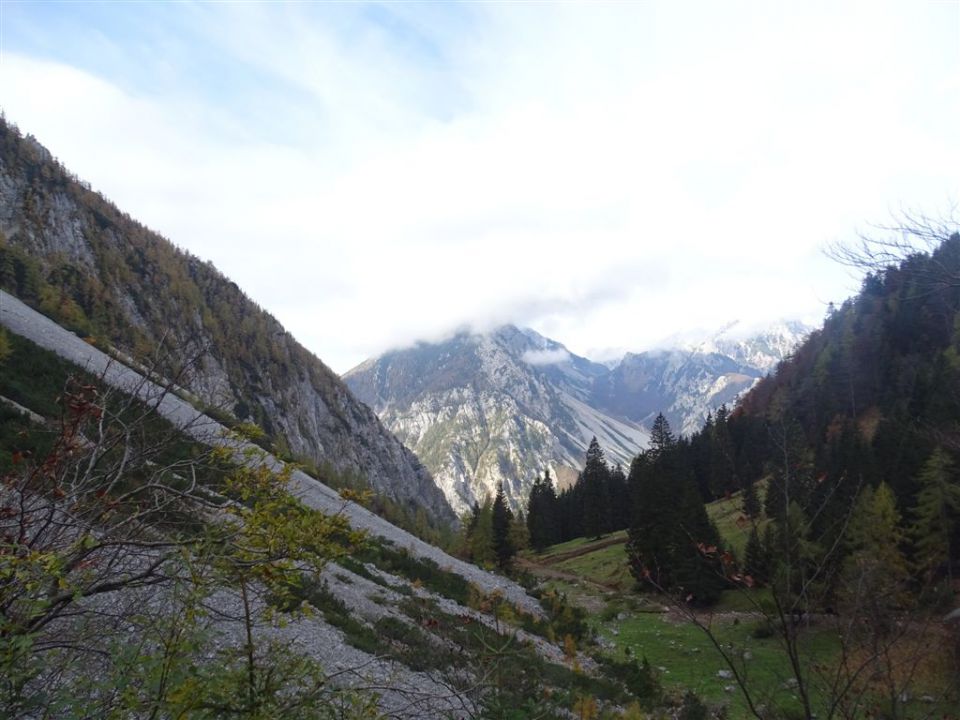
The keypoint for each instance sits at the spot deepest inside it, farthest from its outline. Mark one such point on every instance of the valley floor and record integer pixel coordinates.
(693, 651)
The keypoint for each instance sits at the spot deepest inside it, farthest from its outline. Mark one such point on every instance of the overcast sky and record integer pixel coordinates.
(607, 174)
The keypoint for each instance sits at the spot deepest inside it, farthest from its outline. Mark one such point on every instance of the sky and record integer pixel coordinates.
(608, 174)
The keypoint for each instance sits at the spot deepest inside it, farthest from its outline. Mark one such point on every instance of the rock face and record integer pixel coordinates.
(687, 382)
(480, 409)
(497, 407)
(403, 692)
(138, 292)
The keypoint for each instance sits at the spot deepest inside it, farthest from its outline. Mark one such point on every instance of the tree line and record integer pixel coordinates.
(859, 423)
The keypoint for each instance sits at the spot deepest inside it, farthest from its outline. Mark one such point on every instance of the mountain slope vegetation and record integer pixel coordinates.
(69, 252)
(844, 544)
(190, 575)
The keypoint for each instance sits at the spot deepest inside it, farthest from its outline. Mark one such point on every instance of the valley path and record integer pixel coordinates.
(542, 568)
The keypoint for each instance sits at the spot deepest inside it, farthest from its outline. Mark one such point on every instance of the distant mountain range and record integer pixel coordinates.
(693, 378)
(502, 406)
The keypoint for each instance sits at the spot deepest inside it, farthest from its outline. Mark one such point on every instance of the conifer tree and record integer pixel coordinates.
(618, 498)
(542, 513)
(672, 544)
(594, 480)
(722, 466)
(501, 522)
(519, 533)
(474, 517)
(875, 572)
(751, 501)
(755, 562)
(5, 346)
(936, 515)
(661, 437)
(480, 539)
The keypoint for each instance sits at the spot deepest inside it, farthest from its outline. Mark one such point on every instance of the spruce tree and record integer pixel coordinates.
(672, 544)
(695, 552)
(502, 519)
(618, 499)
(481, 544)
(661, 438)
(5, 347)
(519, 533)
(542, 510)
(594, 479)
(722, 466)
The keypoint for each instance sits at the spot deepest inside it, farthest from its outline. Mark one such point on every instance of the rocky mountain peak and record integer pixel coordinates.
(504, 405)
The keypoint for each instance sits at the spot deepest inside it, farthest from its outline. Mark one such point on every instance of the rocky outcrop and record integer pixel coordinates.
(141, 294)
(481, 409)
(693, 379)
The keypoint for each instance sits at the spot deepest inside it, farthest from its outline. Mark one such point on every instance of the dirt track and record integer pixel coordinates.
(582, 550)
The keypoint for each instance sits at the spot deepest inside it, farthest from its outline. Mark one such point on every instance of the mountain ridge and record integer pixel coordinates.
(507, 404)
(75, 256)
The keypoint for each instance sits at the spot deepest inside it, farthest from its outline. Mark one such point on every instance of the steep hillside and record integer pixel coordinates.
(382, 623)
(877, 390)
(847, 460)
(66, 250)
(480, 409)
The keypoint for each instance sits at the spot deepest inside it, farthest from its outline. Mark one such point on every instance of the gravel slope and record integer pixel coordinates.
(24, 321)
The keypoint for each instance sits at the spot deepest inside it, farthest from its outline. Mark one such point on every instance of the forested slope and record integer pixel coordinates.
(858, 430)
(873, 393)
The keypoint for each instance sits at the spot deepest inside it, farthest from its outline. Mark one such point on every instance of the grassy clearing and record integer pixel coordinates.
(688, 660)
(727, 515)
(606, 566)
(562, 548)
(636, 625)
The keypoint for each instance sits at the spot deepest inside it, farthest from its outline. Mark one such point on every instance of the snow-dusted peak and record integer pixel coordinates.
(501, 406)
(768, 347)
(759, 347)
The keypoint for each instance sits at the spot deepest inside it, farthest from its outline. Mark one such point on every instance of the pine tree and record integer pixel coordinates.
(502, 520)
(661, 438)
(936, 515)
(596, 504)
(542, 511)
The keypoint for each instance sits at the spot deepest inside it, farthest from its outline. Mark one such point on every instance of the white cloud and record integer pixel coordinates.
(609, 174)
(546, 356)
